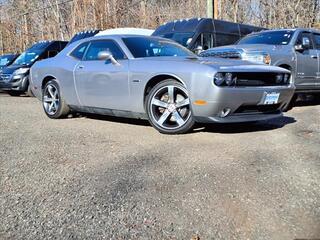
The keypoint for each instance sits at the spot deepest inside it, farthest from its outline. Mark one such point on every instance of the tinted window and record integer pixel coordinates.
(304, 35)
(153, 47)
(4, 60)
(272, 38)
(181, 38)
(226, 27)
(101, 46)
(225, 39)
(28, 57)
(205, 40)
(317, 40)
(80, 51)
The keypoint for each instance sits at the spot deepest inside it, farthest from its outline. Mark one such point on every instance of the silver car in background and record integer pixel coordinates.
(159, 80)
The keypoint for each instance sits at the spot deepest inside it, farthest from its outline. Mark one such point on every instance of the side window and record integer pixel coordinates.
(205, 40)
(317, 40)
(226, 39)
(305, 35)
(80, 51)
(52, 53)
(104, 45)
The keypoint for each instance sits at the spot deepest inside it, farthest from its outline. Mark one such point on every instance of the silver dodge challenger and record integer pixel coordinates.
(159, 80)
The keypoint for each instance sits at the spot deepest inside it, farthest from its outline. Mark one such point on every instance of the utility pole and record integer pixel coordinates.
(212, 9)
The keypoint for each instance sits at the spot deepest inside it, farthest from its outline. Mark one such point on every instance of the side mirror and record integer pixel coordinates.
(304, 46)
(106, 55)
(189, 41)
(299, 48)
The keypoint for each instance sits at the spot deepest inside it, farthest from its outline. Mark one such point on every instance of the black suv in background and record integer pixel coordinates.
(15, 78)
(199, 34)
(7, 59)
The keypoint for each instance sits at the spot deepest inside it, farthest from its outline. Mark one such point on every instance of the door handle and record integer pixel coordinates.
(80, 67)
(314, 56)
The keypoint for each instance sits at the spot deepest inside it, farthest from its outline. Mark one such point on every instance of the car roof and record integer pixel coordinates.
(290, 29)
(119, 36)
(121, 31)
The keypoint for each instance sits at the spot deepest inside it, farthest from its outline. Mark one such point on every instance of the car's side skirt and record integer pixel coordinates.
(109, 112)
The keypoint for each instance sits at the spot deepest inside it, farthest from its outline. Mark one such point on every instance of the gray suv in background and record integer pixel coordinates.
(297, 50)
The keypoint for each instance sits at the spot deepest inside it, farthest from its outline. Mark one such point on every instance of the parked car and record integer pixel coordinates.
(7, 59)
(91, 33)
(199, 34)
(135, 31)
(82, 35)
(15, 78)
(160, 80)
(297, 50)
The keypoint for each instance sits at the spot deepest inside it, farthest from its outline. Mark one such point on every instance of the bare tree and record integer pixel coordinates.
(23, 22)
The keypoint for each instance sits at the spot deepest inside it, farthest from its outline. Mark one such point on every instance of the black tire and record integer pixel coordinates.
(15, 93)
(177, 120)
(316, 97)
(61, 108)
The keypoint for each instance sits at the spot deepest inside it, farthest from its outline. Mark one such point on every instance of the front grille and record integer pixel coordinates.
(258, 79)
(222, 54)
(254, 109)
(5, 77)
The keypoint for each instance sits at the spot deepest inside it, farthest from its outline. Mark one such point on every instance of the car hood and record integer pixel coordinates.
(224, 64)
(10, 69)
(249, 47)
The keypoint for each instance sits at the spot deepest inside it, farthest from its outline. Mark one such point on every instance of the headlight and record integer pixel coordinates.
(21, 71)
(286, 78)
(219, 79)
(224, 79)
(257, 57)
(229, 78)
(279, 78)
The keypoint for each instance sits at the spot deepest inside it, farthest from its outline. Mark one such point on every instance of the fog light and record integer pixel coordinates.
(225, 112)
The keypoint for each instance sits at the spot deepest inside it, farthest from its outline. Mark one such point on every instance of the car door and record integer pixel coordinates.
(307, 61)
(316, 37)
(101, 83)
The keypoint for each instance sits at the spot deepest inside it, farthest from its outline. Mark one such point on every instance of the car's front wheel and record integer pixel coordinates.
(169, 108)
(52, 101)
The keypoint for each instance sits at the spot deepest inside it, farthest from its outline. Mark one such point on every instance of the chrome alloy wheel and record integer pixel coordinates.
(170, 107)
(51, 99)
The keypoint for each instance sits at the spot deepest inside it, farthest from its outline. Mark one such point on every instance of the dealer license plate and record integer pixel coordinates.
(271, 98)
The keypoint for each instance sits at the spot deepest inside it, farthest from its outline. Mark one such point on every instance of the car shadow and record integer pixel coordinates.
(234, 128)
(307, 100)
(133, 121)
(230, 128)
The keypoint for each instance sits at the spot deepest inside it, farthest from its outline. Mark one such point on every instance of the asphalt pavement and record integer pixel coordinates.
(92, 177)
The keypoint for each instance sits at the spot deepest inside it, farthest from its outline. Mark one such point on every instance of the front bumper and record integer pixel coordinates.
(243, 104)
(14, 85)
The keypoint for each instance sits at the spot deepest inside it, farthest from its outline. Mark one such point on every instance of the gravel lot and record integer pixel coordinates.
(95, 177)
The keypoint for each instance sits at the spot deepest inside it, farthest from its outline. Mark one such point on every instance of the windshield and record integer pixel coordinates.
(4, 60)
(154, 47)
(272, 38)
(27, 58)
(181, 38)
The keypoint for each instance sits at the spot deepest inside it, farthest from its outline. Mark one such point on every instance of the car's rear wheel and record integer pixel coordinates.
(52, 101)
(169, 109)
